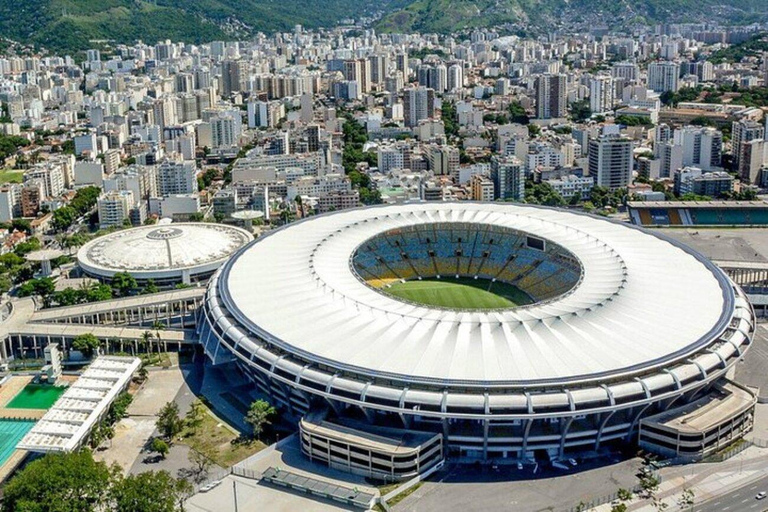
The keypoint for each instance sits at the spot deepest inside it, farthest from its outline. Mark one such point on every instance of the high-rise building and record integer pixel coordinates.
(670, 157)
(31, 195)
(176, 178)
(379, 66)
(481, 188)
(114, 208)
(51, 177)
(702, 147)
(629, 71)
(742, 133)
(444, 160)
(225, 130)
(455, 77)
(401, 64)
(610, 161)
(508, 178)
(664, 76)
(551, 96)
(419, 103)
(10, 202)
(111, 161)
(234, 74)
(139, 179)
(600, 94)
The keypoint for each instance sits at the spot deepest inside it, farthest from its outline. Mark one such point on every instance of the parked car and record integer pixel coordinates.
(209, 486)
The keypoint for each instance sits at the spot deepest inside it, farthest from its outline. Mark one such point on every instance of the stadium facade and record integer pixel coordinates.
(624, 325)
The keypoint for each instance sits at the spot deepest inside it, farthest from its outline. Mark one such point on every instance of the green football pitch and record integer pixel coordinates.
(461, 293)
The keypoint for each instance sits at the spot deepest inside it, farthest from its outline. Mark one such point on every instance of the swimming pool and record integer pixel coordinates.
(11, 432)
(36, 396)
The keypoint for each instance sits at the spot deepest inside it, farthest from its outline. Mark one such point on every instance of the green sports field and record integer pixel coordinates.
(461, 293)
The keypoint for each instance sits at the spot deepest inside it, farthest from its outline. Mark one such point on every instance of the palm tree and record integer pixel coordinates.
(146, 340)
(159, 326)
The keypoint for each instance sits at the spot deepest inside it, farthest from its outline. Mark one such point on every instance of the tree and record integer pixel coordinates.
(124, 283)
(97, 293)
(86, 343)
(60, 482)
(119, 408)
(579, 111)
(686, 501)
(158, 326)
(195, 416)
(258, 416)
(542, 193)
(168, 421)
(625, 494)
(182, 491)
(517, 113)
(201, 463)
(63, 218)
(619, 507)
(146, 492)
(150, 287)
(43, 286)
(146, 341)
(160, 447)
(650, 484)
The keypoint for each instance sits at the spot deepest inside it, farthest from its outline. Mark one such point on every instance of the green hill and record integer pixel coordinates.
(449, 15)
(71, 25)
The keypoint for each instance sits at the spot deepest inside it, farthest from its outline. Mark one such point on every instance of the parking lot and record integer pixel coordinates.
(468, 487)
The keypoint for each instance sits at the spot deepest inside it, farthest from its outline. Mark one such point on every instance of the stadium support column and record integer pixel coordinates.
(526, 433)
(635, 421)
(564, 435)
(486, 426)
(406, 419)
(443, 410)
(600, 429)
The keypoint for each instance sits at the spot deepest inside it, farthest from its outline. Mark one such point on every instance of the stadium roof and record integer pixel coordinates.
(699, 204)
(163, 249)
(643, 302)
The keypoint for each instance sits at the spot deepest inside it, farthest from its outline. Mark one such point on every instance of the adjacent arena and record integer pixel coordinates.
(167, 254)
(621, 325)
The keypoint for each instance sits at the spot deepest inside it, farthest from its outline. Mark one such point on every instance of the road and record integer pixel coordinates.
(740, 500)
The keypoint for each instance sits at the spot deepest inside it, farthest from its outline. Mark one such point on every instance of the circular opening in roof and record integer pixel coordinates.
(466, 266)
(164, 233)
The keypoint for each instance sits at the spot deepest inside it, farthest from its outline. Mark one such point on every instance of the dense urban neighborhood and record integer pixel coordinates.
(503, 258)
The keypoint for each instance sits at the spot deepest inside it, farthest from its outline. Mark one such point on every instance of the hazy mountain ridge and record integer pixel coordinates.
(449, 15)
(69, 25)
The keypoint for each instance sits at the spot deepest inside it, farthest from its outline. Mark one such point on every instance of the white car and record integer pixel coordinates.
(761, 495)
(573, 462)
(210, 486)
(520, 466)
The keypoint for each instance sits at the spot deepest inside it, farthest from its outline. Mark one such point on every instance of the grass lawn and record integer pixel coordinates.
(461, 293)
(161, 359)
(218, 440)
(11, 176)
(400, 497)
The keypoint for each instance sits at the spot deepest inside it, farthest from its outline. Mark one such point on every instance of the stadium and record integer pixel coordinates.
(401, 335)
(167, 254)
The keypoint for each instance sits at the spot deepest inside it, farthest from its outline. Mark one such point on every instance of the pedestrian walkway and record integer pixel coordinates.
(706, 480)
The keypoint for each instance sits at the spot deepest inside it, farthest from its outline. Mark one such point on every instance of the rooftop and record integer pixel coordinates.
(164, 247)
(64, 427)
(644, 300)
